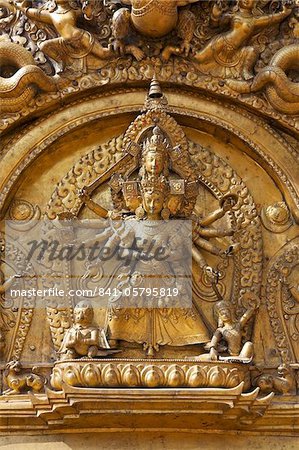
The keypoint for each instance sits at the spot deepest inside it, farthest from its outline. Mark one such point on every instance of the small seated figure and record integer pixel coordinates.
(83, 338)
(228, 336)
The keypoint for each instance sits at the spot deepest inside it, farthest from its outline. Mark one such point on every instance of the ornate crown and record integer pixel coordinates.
(154, 184)
(224, 304)
(156, 143)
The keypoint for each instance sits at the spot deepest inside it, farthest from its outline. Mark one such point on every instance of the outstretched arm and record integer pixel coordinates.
(213, 232)
(218, 17)
(206, 245)
(97, 209)
(226, 204)
(198, 257)
(246, 316)
(34, 13)
(265, 21)
(217, 336)
(212, 217)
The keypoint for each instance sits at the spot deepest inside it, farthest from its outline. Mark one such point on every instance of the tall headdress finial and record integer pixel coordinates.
(155, 98)
(155, 90)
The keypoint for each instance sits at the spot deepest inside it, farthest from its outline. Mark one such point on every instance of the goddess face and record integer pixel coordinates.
(154, 162)
(132, 203)
(174, 203)
(153, 202)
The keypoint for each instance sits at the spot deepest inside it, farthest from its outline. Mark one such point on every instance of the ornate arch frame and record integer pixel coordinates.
(259, 137)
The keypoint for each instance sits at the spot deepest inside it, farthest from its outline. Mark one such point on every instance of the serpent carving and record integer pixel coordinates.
(20, 78)
(281, 92)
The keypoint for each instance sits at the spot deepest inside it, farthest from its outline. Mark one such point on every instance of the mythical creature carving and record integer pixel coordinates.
(228, 54)
(282, 383)
(20, 381)
(20, 77)
(281, 92)
(155, 19)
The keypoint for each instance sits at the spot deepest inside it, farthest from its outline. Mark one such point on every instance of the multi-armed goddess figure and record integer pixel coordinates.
(153, 198)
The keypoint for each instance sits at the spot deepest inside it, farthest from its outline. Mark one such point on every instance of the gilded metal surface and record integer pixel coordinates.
(214, 141)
